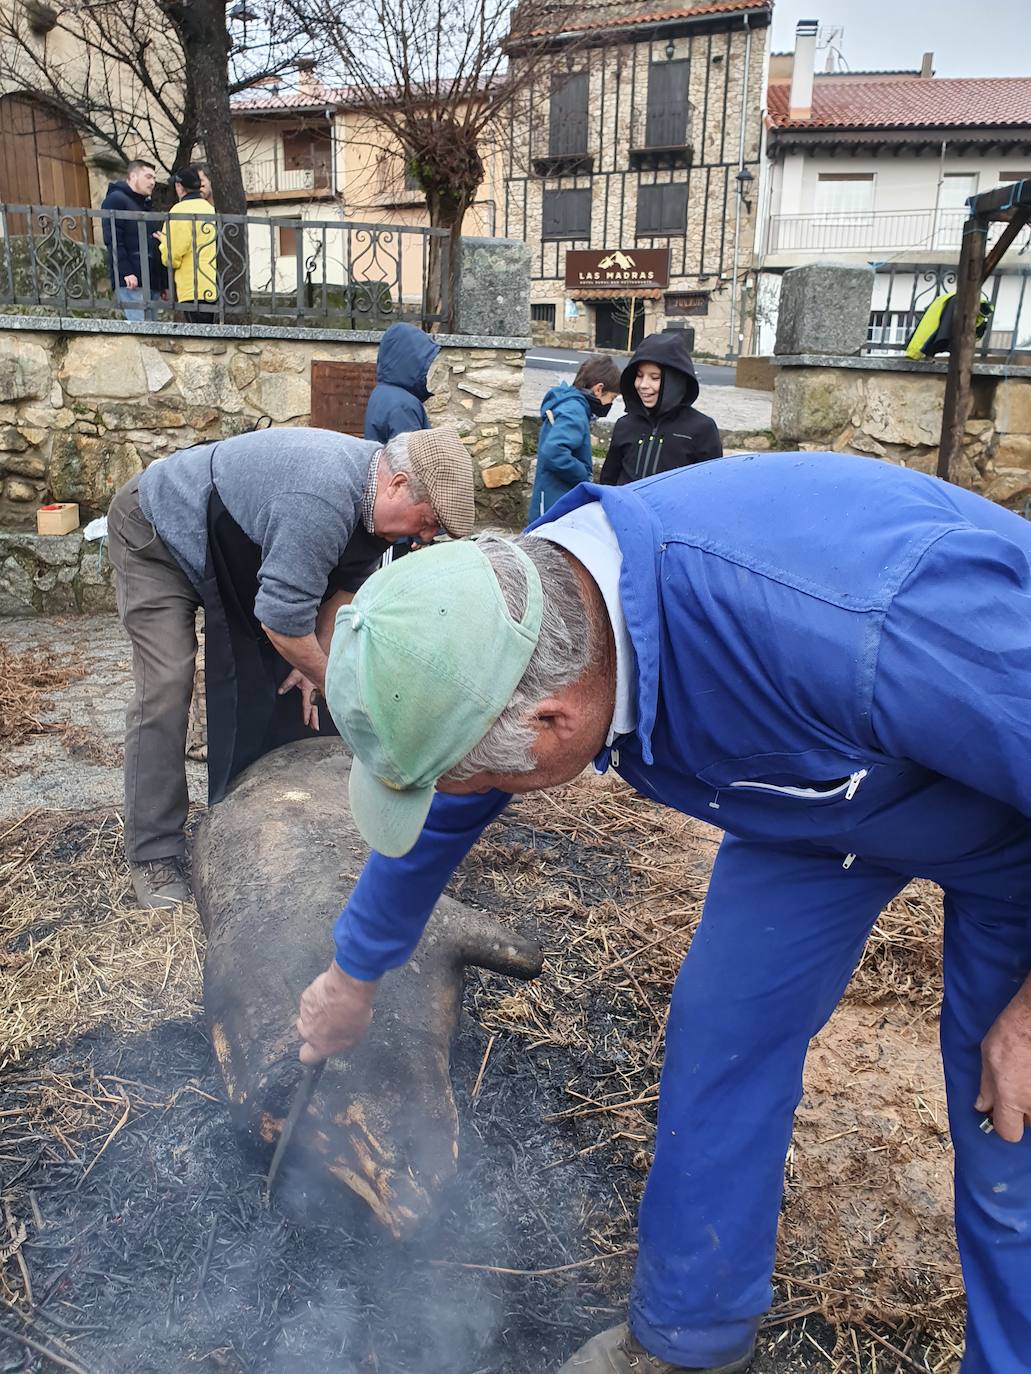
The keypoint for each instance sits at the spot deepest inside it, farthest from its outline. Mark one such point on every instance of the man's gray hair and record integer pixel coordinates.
(567, 645)
(395, 454)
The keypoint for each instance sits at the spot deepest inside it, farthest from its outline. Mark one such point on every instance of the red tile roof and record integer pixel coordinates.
(909, 103)
(620, 19)
(257, 99)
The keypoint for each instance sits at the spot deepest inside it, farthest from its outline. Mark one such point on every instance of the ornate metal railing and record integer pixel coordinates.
(222, 269)
(269, 177)
(904, 291)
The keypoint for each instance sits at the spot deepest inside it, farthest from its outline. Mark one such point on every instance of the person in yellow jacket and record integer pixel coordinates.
(188, 247)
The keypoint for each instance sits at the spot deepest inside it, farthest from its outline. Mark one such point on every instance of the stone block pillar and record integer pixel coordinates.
(824, 309)
(492, 288)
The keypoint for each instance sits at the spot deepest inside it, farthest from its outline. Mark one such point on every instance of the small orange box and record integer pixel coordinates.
(61, 518)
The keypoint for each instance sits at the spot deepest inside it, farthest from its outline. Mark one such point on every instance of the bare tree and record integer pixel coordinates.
(434, 76)
(153, 77)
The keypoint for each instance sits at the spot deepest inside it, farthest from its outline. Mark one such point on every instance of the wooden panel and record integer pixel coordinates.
(19, 172)
(41, 159)
(339, 395)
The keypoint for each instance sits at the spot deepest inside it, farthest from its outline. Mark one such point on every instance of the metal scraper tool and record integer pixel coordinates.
(302, 1097)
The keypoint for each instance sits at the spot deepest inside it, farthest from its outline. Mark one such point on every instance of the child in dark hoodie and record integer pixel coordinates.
(396, 404)
(564, 457)
(661, 429)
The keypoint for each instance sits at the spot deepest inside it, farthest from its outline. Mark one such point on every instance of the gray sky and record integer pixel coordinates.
(967, 37)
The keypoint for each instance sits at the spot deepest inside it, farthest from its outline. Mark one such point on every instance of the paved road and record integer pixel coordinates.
(563, 360)
(732, 407)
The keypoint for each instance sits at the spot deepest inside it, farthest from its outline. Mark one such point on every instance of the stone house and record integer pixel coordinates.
(876, 168)
(631, 166)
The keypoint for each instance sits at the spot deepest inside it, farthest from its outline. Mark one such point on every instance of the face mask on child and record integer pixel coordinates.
(598, 408)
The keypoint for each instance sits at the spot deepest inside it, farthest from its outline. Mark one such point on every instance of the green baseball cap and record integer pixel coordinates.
(423, 662)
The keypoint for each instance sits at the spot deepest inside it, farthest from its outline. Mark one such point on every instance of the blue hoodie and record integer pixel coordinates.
(564, 448)
(396, 404)
(829, 651)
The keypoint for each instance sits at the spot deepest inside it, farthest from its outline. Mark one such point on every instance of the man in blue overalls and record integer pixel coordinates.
(830, 658)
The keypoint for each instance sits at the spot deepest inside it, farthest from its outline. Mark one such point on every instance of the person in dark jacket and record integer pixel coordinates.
(661, 429)
(134, 261)
(564, 456)
(396, 404)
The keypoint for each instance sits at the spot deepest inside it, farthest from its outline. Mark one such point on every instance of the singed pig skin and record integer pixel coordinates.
(272, 865)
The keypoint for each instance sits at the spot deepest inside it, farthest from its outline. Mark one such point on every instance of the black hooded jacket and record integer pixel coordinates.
(670, 435)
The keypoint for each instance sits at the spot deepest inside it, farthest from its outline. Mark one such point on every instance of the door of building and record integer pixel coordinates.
(619, 324)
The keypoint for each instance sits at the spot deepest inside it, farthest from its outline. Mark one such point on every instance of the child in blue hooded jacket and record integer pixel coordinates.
(564, 450)
(402, 364)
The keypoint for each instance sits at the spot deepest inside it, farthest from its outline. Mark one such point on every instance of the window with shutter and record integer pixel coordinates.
(662, 209)
(566, 215)
(567, 130)
(666, 123)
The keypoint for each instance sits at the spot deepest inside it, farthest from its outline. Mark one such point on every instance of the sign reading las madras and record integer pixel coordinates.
(632, 269)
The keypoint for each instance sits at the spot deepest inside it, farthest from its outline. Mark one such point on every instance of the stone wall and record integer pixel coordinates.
(892, 409)
(86, 404)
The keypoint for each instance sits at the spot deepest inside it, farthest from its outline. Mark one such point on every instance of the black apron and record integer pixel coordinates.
(242, 671)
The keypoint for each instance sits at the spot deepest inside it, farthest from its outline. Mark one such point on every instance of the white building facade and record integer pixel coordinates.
(876, 168)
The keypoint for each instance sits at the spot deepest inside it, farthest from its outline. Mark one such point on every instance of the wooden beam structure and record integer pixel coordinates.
(1009, 204)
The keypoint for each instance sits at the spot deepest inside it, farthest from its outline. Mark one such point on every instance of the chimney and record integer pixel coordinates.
(307, 81)
(927, 66)
(802, 72)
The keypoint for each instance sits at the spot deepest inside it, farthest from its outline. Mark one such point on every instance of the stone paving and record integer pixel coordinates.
(49, 772)
(735, 409)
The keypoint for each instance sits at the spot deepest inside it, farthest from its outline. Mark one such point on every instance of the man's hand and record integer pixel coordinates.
(131, 281)
(309, 696)
(335, 1013)
(1006, 1069)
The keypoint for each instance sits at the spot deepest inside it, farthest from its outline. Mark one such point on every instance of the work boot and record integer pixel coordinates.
(159, 883)
(616, 1352)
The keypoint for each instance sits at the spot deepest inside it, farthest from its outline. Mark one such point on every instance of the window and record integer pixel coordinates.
(1006, 177)
(845, 193)
(411, 181)
(307, 155)
(662, 209)
(668, 108)
(543, 314)
(566, 215)
(956, 187)
(288, 240)
(567, 128)
(889, 329)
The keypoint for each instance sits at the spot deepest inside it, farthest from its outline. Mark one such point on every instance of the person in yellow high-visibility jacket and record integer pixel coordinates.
(188, 247)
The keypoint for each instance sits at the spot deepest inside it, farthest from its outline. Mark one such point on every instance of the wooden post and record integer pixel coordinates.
(630, 328)
(969, 278)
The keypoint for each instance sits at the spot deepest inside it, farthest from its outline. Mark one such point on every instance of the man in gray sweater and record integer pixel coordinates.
(271, 532)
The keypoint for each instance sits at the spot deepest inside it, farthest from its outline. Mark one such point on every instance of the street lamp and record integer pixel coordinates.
(744, 181)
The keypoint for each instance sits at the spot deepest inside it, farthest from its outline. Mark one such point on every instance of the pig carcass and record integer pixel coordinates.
(272, 865)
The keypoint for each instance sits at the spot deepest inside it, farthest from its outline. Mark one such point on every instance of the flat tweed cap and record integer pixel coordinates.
(441, 461)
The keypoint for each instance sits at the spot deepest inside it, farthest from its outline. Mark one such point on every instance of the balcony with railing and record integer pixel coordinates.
(270, 179)
(660, 137)
(862, 231)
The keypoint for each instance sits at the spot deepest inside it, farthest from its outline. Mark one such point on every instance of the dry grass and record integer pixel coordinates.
(75, 954)
(27, 681)
(885, 1301)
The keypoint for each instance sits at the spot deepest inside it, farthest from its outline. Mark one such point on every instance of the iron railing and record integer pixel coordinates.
(904, 292)
(231, 269)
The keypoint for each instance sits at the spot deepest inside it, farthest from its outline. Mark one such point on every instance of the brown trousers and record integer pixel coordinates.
(157, 603)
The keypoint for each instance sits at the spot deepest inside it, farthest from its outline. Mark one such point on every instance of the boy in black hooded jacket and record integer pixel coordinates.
(661, 429)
